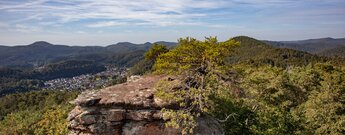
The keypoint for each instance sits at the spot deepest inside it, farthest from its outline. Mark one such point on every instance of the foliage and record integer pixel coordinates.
(333, 52)
(200, 64)
(47, 121)
(294, 93)
(300, 100)
(35, 100)
(236, 117)
(191, 55)
(39, 112)
(142, 67)
(53, 121)
(324, 111)
(180, 119)
(155, 51)
(19, 123)
(258, 53)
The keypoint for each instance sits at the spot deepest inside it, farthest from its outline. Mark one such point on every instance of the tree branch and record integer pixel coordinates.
(227, 117)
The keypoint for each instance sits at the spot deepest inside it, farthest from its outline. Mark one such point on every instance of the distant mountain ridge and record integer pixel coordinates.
(41, 52)
(256, 52)
(310, 45)
(41, 43)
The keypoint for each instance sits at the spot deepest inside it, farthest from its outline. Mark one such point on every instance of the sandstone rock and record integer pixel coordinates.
(99, 128)
(140, 115)
(133, 78)
(208, 126)
(115, 114)
(73, 124)
(75, 112)
(130, 108)
(87, 98)
(87, 119)
(83, 133)
(148, 128)
(74, 132)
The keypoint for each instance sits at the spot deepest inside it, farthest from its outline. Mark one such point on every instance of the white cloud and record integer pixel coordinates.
(26, 29)
(105, 24)
(133, 12)
(152, 12)
(56, 18)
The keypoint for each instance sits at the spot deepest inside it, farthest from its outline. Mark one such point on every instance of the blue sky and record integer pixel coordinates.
(104, 22)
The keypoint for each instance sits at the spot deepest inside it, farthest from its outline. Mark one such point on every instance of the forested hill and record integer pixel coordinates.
(252, 51)
(334, 52)
(310, 45)
(41, 53)
(248, 86)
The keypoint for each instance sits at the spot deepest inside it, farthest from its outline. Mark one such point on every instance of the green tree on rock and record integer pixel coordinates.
(155, 51)
(200, 67)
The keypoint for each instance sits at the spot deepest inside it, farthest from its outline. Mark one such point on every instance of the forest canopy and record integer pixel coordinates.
(303, 94)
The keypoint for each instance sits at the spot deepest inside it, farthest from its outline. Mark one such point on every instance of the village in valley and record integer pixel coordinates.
(111, 76)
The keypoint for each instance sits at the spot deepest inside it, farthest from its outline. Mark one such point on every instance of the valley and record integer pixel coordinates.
(283, 81)
(172, 67)
(110, 76)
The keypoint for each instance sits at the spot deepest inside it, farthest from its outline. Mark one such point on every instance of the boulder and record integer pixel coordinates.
(130, 108)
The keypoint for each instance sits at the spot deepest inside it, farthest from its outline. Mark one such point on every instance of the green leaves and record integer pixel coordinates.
(199, 65)
(180, 119)
(301, 100)
(192, 54)
(39, 112)
(155, 51)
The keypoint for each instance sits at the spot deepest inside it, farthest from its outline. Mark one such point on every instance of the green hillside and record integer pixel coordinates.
(335, 52)
(252, 51)
(247, 85)
(311, 45)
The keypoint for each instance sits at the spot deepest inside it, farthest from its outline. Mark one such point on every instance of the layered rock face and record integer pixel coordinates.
(130, 108)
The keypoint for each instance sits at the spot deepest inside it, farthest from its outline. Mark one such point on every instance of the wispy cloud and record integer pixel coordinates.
(150, 11)
(105, 24)
(189, 17)
(26, 29)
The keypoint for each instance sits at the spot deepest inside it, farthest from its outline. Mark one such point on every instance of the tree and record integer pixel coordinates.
(300, 100)
(155, 51)
(324, 110)
(270, 95)
(53, 121)
(201, 69)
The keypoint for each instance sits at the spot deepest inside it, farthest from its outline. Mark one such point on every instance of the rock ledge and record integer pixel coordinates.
(127, 109)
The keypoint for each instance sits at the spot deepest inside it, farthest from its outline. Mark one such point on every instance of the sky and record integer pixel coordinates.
(105, 22)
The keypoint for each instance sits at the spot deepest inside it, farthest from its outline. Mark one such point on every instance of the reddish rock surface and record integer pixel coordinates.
(127, 109)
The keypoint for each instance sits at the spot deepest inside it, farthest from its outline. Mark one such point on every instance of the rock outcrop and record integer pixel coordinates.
(130, 108)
